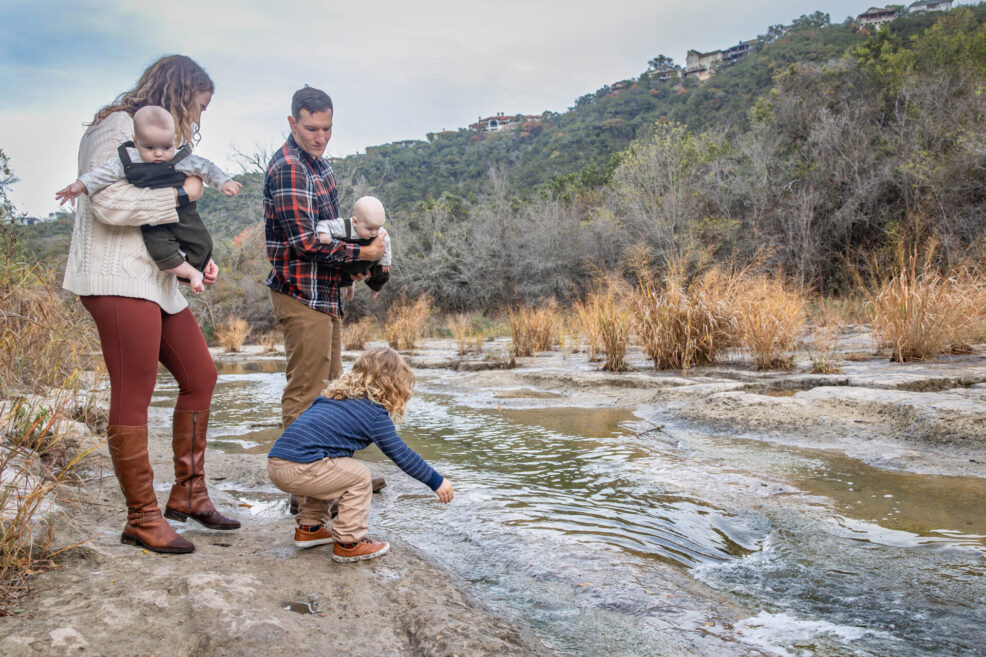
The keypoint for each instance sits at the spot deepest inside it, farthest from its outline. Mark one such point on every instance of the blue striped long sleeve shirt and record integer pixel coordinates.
(334, 428)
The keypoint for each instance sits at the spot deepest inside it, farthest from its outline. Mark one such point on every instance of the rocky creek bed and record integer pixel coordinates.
(229, 597)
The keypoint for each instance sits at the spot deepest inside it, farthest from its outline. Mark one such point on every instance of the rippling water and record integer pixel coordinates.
(566, 518)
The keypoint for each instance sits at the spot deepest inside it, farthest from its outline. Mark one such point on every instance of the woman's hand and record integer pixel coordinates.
(445, 492)
(210, 273)
(194, 188)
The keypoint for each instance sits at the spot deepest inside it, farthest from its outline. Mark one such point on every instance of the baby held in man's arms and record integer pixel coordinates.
(151, 160)
(365, 224)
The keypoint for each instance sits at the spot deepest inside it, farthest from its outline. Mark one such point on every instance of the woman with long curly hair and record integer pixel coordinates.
(313, 458)
(141, 316)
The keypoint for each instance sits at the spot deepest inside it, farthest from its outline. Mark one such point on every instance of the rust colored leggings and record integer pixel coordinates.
(135, 335)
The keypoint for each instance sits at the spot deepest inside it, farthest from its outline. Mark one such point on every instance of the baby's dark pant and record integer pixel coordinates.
(377, 276)
(167, 242)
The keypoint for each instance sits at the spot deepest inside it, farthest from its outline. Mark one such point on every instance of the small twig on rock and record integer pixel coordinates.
(658, 427)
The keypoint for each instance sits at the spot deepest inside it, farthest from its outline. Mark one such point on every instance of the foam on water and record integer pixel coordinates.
(785, 635)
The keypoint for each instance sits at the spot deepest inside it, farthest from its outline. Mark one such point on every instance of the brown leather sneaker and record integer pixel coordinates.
(359, 551)
(305, 538)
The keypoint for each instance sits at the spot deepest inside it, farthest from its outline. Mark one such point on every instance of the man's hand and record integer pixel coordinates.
(445, 492)
(374, 250)
(193, 187)
(211, 273)
(230, 188)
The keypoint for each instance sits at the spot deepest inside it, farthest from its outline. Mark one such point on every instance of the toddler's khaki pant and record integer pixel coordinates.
(318, 483)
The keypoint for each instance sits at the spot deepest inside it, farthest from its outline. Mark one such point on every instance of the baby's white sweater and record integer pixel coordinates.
(337, 228)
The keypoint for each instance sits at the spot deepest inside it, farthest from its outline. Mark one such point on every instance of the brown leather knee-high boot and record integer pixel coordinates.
(145, 526)
(189, 497)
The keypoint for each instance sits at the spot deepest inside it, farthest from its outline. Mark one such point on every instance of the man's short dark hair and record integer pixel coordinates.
(310, 99)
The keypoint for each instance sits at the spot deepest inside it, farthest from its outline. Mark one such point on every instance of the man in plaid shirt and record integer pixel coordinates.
(299, 191)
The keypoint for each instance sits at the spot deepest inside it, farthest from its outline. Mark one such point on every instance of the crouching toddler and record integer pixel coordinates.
(313, 458)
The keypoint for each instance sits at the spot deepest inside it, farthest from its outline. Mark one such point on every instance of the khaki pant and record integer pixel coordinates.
(318, 483)
(313, 345)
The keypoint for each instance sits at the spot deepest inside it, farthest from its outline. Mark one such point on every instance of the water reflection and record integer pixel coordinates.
(569, 470)
(567, 518)
(927, 506)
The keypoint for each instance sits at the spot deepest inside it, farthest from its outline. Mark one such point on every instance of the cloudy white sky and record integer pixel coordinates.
(395, 70)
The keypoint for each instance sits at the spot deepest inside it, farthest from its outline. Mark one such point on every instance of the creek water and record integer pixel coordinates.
(609, 539)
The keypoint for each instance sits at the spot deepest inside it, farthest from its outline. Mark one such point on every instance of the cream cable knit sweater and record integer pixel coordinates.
(108, 256)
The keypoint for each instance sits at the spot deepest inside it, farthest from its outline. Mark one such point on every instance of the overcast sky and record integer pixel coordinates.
(395, 70)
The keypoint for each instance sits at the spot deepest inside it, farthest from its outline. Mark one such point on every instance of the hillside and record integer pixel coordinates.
(599, 125)
(799, 151)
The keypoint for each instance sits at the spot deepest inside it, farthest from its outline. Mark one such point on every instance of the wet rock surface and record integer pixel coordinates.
(229, 597)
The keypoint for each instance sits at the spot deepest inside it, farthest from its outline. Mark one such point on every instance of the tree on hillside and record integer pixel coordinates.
(662, 64)
(7, 178)
(817, 20)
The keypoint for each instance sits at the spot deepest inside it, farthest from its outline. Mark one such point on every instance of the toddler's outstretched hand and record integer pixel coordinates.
(351, 292)
(385, 268)
(445, 492)
(231, 188)
(70, 193)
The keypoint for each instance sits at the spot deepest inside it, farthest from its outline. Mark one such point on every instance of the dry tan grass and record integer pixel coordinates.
(468, 337)
(268, 342)
(771, 314)
(682, 324)
(355, 335)
(920, 312)
(44, 342)
(534, 329)
(852, 309)
(36, 459)
(614, 319)
(232, 333)
(820, 346)
(405, 321)
(584, 320)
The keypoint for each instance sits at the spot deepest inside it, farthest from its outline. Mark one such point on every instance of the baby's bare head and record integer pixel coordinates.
(154, 133)
(150, 117)
(368, 216)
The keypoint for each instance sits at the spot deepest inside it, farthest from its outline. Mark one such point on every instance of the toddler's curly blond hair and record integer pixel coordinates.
(380, 375)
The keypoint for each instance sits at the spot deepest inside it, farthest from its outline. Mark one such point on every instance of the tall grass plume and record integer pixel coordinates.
(355, 335)
(232, 333)
(405, 321)
(683, 323)
(771, 315)
(533, 329)
(920, 311)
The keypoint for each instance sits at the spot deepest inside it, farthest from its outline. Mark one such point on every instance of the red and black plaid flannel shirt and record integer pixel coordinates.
(300, 191)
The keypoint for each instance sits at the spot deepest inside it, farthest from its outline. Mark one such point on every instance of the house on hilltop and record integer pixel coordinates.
(881, 16)
(878, 16)
(617, 88)
(702, 64)
(503, 122)
(930, 5)
(730, 55)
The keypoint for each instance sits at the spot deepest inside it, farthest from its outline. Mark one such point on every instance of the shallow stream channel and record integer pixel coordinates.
(615, 531)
